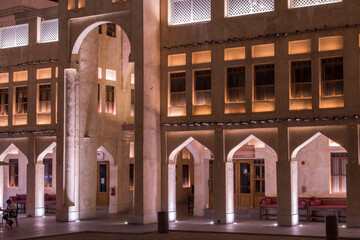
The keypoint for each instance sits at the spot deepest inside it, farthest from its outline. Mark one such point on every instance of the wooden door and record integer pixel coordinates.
(249, 183)
(211, 183)
(102, 192)
(242, 178)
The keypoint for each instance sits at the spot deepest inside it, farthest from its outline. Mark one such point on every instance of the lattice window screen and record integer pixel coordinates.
(306, 3)
(49, 31)
(187, 11)
(243, 7)
(14, 36)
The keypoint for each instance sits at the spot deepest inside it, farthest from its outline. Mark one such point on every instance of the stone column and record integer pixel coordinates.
(287, 186)
(172, 191)
(35, 183)
(352, 176)
(146, 50)
(223, 183)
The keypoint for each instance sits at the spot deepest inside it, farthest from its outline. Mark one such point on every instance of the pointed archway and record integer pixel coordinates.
(201, 156)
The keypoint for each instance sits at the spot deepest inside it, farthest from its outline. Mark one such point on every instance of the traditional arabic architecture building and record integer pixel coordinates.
(156, 104)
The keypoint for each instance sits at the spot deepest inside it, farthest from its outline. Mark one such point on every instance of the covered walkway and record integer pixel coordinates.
(117, 224)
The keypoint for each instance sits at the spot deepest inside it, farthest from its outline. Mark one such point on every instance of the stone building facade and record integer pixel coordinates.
(156, 101)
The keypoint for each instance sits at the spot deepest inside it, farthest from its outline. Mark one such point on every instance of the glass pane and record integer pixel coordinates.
(257, 186)
(306, 90)
(257, 172)
(335, 166)
(335, 184)
(244, 178)
(339, 88)
(260, 95)
(199, 98)
(207, 97)
(270, 93)
(343, 184)
(343, 166)
(102, 178)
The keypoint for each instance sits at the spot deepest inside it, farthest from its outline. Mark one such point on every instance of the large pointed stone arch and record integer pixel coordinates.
(194, 148)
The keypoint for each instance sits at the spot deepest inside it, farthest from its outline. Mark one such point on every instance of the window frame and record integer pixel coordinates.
(191, 21)
(341, 176)
(14, 163)
(47, 103)
(23, 104)
(4, 107)
(178, 93)
(333, 82)
(264, 86)
(293, 84)
(108, 101)
(204, 91)
(228, 89)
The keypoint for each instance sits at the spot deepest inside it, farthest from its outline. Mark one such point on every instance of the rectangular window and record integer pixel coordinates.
(4, 77)
(244, 7)
(14, 36)
(307, 3)
(13, 173)
(21, 101)
(264, 82)
(49, 31)
(44, 99)
(48, 172)
(203, 87)
(338, 172)
(332, 77)
(177, 89)
(131, 177)
(110, 100)
(111, 29)
(188, 11)
(4, 102)
(236, 84)
(185, 176)
(99, 98)
(301, 79)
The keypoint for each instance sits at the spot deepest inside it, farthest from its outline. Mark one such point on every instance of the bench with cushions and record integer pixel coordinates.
(50, 202)
(20, 201)
(337, 206)
(308, 208)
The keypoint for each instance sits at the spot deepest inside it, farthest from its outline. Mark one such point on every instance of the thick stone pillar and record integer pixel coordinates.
(352, 176)
(223, 183)
(34, 183)
(286, 177)
(67, 206)
(200, 183)
(172, 191)
(146, 50)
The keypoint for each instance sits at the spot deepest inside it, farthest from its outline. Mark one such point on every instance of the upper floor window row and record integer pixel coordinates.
(190, 11)
(18, 35)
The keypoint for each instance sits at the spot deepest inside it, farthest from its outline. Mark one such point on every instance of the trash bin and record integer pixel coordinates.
(332, 232)
(163, 222)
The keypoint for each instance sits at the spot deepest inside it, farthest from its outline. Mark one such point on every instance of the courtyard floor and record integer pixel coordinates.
(189, 228)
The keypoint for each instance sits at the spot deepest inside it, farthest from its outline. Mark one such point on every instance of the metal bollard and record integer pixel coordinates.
(332, 232)
(163, 222)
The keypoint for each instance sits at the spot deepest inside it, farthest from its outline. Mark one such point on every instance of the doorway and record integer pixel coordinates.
(102, 192)
(249, 183)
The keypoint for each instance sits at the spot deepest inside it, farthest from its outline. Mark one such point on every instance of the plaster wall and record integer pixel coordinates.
(315, 174)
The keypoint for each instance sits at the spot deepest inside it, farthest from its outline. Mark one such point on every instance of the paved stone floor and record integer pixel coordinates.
(189, 228)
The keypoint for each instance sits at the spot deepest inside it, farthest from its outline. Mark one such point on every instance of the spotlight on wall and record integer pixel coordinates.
(324, 118)
(288, 119)
(86, 136)
(253, 121)
(356, 116)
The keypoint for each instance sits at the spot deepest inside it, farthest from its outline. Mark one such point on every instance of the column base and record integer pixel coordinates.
(224, 218)
(37, 212)
(288, 220)
(172, 216)
(353, 221)
(143, 219)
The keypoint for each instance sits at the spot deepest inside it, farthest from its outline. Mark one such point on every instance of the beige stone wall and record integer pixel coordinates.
(315, 174)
